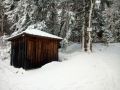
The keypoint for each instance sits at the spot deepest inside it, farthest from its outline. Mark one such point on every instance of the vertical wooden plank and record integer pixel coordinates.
(22, 51)
(43, 51)
(37, 52)
(11, 61)
(36, 49)
(53, 50)
(13, 54)
(46, 53)
(18, 53)
(25, 58)
(40, 51)
(57, 50)
(34, 60)
(31, 52)
(48, 49)
(43, 59)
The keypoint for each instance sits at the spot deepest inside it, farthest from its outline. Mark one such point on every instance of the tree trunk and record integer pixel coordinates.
(2, 24)
(83, 27)
(89, 45)
(2, 18)
(88, 28)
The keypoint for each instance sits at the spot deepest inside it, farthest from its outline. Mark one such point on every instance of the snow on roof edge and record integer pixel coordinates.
(37, 33)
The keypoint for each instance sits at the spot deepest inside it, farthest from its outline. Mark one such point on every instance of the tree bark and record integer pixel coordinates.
(2, 18)
(83, 27)
(2, 24)
(89, 45)
(88, 29)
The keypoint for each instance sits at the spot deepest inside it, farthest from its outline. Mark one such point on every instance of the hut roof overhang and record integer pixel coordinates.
(36, 33)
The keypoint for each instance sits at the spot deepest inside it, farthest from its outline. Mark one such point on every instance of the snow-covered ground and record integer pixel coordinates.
(99, 70)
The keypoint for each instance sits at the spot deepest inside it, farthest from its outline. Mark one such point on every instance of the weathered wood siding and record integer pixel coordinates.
(18, 52)
(41, 51)
(32, 52)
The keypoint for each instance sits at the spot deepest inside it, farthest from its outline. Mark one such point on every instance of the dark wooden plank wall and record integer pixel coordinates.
(32, 52)
(12, 53)
(18, 52)
(41, 51)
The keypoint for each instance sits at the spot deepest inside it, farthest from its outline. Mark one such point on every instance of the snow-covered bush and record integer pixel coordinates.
(107, 37)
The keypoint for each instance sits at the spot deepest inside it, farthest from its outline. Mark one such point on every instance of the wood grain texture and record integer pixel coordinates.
(33, 52)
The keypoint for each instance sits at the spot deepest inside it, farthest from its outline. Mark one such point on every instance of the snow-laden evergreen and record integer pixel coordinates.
(64, 18)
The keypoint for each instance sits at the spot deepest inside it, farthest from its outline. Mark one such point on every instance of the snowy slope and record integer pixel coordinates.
(99, 70)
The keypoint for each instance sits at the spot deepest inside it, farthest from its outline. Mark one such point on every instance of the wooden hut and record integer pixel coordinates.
(33, 48)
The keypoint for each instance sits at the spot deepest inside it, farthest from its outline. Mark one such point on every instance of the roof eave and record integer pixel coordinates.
(19, 35)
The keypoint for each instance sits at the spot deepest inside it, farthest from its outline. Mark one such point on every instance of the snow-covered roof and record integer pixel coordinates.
(36, 32)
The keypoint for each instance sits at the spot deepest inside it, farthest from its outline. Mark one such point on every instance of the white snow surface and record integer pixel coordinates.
(36, 32)
(40, 33)
(99, 70)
